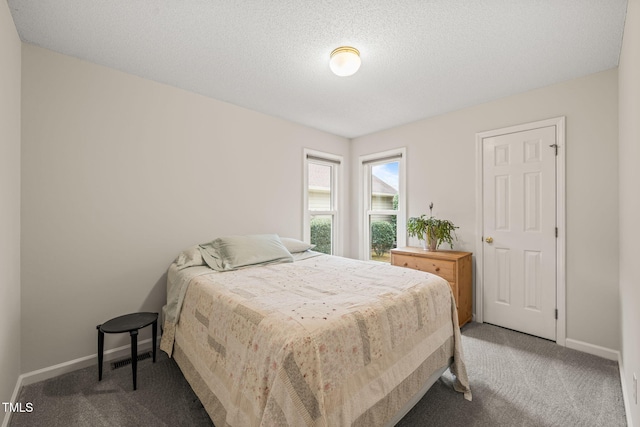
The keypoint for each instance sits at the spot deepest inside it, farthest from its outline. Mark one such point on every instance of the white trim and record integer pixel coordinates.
(70, 366)
(609, 354)
(561, 241)
(596, 350)
(14, 397)
(478, 315)
(561, 285)
(626, 396)
(364, 163)
(82, 362)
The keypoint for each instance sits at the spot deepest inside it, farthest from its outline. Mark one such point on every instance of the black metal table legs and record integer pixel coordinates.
(154, 331)
(100, 351)
(134, 356)
(131, 323)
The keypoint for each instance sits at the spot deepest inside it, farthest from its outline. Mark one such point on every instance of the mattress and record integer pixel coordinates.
(322, 341)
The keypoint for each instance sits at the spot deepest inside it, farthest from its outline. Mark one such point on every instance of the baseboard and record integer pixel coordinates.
(596, 350)
(14, 396)
(626, 398)
(609, 354)
(70, 366)
(82, 362)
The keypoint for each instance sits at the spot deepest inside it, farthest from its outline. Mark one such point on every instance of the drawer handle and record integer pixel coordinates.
(405, 264)
(437, 268)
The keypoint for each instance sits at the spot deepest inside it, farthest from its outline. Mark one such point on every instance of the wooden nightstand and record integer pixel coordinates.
(453, 266)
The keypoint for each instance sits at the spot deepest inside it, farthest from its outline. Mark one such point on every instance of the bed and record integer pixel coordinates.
(274, 334)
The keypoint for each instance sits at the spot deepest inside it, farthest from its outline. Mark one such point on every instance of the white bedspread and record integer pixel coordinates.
(324, 341)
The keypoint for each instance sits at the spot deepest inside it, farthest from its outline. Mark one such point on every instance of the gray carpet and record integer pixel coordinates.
(520, 380)
(516, 380)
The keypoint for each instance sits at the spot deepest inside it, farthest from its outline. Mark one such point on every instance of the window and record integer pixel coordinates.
(383, 222)
(321, 190)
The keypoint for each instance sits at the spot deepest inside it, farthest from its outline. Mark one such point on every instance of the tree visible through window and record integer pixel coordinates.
(383, 215)
(382, 186)
(321, 210)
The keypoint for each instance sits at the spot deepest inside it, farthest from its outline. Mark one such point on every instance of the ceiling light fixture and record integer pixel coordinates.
(345, 61)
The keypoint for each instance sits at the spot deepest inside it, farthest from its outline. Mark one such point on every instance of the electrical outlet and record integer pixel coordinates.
(635, 388)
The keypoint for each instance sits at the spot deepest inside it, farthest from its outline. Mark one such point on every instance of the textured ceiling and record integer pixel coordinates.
(419, 58)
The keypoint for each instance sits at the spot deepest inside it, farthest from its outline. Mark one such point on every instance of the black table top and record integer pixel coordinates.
(128, 322)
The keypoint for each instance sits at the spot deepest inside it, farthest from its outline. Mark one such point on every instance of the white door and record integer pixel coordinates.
(519, 231)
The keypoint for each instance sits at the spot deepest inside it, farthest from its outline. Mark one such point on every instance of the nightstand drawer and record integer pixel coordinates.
(443, 268)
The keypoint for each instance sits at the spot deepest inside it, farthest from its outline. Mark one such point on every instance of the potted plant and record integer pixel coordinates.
(432, 231)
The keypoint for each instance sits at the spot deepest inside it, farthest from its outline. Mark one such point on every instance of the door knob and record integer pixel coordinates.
(489, 240)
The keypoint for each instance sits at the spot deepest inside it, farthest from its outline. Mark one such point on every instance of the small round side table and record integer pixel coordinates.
(128, 323)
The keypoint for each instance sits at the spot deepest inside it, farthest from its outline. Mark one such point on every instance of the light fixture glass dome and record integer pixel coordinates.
(345, 61)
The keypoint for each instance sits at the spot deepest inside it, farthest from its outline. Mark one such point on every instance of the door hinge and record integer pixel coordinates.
(556, 231)
(554, 146)
(556, 314)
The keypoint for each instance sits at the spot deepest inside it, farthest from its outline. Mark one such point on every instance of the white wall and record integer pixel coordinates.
(119, 175)
(441, 166)
(629, 172)
(9, 204)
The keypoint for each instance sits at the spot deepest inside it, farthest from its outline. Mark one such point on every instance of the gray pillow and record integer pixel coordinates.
(233, 252)
(189, 258)
(295, 245)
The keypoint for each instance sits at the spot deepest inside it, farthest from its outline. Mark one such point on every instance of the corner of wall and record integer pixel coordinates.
(629, 207)
(10, 187)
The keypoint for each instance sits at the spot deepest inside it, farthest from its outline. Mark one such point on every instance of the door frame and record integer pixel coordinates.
(561, 285)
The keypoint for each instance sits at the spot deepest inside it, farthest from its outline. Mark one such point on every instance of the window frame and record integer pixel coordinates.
(337, 164)
(366, 162)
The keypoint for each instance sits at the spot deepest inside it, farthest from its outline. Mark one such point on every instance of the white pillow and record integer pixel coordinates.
(233, 252)
(295, 245)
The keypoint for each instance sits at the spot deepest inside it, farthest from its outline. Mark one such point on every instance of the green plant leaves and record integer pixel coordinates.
(443, 229)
